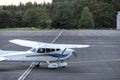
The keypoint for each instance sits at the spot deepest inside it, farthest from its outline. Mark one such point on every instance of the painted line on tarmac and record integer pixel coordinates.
(95, 61)
(30, 68)
(57, 37)
(26, 73)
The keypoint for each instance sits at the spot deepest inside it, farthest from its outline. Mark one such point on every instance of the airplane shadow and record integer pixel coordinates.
(13, 68)
(68, 69)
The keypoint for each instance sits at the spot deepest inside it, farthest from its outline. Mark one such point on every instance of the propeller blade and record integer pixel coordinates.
(75, 54)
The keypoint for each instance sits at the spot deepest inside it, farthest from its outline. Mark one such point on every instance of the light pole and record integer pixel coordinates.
(118, 20)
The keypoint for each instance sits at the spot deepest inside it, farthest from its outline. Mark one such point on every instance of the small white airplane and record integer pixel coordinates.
(53, 54)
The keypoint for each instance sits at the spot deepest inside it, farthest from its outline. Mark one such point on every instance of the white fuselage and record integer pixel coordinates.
(36, 57)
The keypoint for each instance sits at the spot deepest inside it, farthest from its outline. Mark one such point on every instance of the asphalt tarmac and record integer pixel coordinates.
(101, 61)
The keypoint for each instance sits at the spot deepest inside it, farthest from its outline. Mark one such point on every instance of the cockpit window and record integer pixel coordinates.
(46, 50)
(40, 50)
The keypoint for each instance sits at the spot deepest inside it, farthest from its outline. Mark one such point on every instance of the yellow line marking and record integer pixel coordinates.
(94, 61)
(38, 56)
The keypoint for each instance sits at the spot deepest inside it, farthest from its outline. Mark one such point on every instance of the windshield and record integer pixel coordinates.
(33, 49)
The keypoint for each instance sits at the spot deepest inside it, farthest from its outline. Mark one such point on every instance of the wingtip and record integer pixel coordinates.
(84, 46)
(13, 40)
(88, 45)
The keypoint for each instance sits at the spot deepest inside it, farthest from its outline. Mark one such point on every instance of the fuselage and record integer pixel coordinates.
(35, 56)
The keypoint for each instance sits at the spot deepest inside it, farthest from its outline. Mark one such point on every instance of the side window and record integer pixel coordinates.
(50, 50)
(57, 49)
(40, 50)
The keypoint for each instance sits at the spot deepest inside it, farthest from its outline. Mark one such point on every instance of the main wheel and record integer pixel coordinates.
(37, 65)
(63, 64)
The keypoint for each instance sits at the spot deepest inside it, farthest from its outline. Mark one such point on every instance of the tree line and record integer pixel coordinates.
(61, 14)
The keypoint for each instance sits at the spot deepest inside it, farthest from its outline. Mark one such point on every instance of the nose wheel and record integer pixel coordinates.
(63, 64)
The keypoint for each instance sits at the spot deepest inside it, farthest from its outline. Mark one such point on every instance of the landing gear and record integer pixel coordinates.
(37, 64)
(57, 65)
(63, 64)
(53, 65)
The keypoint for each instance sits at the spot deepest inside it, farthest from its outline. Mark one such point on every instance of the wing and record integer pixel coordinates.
(25, 43)
(64, 46)
(28, 43)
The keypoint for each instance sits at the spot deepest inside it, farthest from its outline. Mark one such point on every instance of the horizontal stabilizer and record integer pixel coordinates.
(2, 58)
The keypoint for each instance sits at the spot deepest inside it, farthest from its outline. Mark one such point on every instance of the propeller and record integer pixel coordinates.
(75, 54)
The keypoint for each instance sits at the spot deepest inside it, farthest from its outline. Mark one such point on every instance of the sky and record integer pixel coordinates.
(16, 2)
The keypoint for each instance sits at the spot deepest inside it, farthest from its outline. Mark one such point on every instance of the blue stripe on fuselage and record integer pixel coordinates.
(58, 55)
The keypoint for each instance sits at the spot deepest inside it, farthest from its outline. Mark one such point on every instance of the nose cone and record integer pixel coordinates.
(73, 52)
